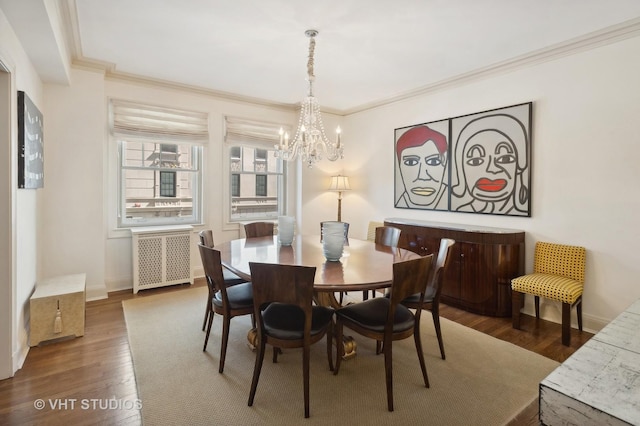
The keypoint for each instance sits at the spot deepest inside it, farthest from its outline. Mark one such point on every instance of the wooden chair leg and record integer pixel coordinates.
(306, 355)
(329, 346)
(566, 324)
(339, 346)
(537, 304)
(206, 336)
(436, 324)
(206, 313)
(276, 351)
(388, 369)
(365, 295)
(579, 313)
(516, 303)
(225, 339)
(256, 370)
(423, 367)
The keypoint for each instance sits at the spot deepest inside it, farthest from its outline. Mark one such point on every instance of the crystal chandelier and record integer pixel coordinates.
(310, 142)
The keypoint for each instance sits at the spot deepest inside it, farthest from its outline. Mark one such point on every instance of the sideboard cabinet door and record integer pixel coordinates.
(483, 262)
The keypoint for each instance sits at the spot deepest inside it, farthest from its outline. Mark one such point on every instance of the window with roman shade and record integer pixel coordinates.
(159, 163)
(256, 178)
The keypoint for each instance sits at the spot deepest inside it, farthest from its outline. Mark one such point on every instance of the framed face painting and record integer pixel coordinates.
(477, 163)
(30, 144)
(422, 173)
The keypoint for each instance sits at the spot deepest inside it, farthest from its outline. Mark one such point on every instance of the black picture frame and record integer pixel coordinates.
(30, 144)
(486, 168)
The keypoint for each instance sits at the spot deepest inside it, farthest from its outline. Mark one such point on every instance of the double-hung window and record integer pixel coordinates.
(159, 164)
(256, 178)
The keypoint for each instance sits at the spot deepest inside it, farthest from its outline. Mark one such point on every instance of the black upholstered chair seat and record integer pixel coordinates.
(285, 321)
(372, 314)
(240, 295)
(230, 278)
(415, 298)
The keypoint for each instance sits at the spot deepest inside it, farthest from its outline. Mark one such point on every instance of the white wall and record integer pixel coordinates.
(586, 145)
(71, 231)
(19, 246)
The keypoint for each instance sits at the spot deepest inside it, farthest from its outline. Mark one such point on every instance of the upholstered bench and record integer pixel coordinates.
(57, 308)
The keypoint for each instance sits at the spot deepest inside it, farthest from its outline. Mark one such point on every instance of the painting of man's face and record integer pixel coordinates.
(422, 169)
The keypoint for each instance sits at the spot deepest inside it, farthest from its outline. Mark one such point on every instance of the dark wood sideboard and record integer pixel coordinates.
(484, 260)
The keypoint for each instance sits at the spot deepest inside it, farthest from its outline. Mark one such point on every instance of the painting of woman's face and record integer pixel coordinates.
(489, 164)
(422, 169)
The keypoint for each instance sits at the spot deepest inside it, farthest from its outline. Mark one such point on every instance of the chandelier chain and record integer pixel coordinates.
(312, 47)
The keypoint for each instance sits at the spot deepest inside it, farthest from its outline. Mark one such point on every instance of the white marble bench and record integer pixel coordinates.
(66, 293)
(600, 383)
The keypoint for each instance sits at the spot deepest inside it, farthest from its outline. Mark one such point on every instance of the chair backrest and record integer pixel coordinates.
(439, 263)
(206, 237)
(559, 259)
(387, 236)
(213, 270)
(258, 229)
(290, 284)
(409, 278)
(345, 224)
(371, 230)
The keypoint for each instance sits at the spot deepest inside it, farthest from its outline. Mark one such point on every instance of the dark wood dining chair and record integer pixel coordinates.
(386, 319)
(286, 317)
(431, 300)
(206, 239)
(386, 236)
(258, 229)
(228, 301)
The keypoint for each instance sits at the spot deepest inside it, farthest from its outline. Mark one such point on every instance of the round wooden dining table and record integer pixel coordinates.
(364, 265)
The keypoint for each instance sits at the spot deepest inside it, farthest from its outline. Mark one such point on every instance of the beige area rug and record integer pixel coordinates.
(483, 381)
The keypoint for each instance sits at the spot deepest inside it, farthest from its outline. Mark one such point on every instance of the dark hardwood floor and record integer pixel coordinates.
(91, 380)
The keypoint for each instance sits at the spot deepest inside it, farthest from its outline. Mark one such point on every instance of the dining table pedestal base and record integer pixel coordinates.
(348, 342)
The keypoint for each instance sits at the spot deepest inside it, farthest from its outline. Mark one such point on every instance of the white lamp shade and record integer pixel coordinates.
(339, 183)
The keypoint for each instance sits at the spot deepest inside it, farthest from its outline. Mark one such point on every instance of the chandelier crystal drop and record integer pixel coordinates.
(310, 142)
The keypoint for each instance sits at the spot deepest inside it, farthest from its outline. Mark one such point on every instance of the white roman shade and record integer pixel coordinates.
(155, 122)
(246, 131)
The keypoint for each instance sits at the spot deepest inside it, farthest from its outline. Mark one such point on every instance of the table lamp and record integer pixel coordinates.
(339, 183)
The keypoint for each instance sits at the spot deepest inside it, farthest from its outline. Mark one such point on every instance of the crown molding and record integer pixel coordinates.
(609, 35)
(149, 81)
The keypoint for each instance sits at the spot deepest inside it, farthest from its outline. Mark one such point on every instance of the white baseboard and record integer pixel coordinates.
(117, 284)
(20, 355)
(551, 310)
(93, 293)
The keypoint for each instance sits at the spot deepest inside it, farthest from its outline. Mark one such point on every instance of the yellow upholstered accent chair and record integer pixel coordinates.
(558, 274)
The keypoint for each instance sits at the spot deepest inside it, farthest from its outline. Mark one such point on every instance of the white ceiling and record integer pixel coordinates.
(367, 51)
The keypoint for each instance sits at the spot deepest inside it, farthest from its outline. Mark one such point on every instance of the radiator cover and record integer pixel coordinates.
(161, 256)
